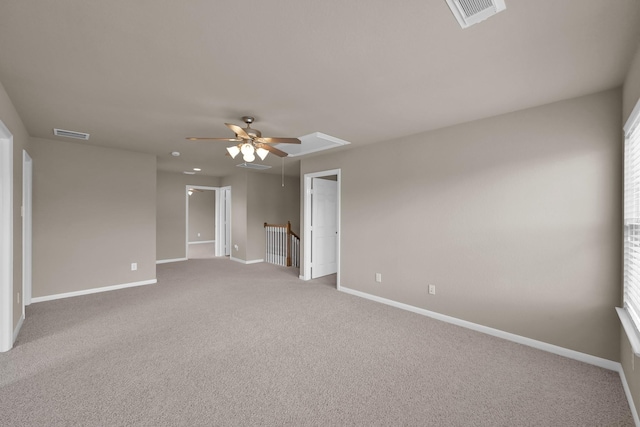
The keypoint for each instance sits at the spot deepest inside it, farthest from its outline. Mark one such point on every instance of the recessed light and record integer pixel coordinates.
(188, 173)
(197, 169)
(175, 153)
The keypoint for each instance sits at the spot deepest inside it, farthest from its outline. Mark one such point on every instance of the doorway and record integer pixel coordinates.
(224, 220)
(6, 238)
(201, 222)
(322, 225)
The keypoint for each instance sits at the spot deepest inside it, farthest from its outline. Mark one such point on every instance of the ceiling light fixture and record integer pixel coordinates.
(197, 169)
(250, 142)
(175, 153)
(262, 153)
(233, 151)
(248, 150)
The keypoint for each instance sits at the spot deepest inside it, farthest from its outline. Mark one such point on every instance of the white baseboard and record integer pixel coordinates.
(93, 291)
(627, 391)
(241, 261)
(540, 345)
(202, 241)
(16, 331)
(164, 261)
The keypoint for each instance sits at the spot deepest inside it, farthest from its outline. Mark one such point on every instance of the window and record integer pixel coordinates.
(630, 316)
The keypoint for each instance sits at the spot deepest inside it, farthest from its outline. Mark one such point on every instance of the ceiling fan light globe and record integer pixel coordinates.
(262, 153)
(246, 149)
(233, 151)
(249, 157)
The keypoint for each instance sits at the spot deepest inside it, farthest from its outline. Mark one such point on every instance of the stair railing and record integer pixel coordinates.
(282, 245)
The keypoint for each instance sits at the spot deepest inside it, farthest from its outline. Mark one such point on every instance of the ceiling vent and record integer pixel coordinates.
(469, 12)
(254, 166)
(71, 134)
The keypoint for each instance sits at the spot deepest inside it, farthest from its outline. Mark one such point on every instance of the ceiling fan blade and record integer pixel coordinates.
(238, 131)
(273, 150)
(193, 138)
(278, 140)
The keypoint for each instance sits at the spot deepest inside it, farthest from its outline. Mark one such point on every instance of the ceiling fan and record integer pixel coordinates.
(251, 142)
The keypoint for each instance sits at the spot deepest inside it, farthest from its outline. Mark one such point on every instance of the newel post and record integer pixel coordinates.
(288, 243)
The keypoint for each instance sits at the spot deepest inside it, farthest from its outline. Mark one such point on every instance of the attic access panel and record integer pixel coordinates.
(312, 143)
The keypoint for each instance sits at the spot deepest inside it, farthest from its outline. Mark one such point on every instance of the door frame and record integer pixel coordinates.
(6, 243)
(216, 217)
(27, 229)
(306, 235)
(223, 200)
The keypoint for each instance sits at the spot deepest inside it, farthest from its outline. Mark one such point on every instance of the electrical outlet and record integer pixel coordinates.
(198, 234)
(134, 266)
(235, 247)
(379, 277)
(432, 289)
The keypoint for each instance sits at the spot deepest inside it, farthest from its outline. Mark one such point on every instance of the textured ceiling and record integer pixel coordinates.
(143, 75)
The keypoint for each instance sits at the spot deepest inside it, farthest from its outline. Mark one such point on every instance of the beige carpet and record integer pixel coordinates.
(218, 343)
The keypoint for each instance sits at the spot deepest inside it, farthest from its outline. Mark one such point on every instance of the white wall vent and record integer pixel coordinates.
(71, 134)
(469, 12)
(254, 166)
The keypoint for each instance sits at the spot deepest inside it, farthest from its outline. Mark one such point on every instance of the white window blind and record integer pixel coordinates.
(632, 217)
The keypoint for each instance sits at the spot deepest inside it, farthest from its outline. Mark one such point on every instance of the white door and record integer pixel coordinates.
(27, 189)
(324, 227)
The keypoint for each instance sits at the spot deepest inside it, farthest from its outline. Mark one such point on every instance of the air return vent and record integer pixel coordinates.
(254, 166)
(71, 134)
(469, 12)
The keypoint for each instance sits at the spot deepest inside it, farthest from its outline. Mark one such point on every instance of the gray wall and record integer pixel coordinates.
(171, 211)
(93, 215)
(202, 216)
(257, 198)
(270, 202)
(12, 121)
(631, 95)
(515, 219)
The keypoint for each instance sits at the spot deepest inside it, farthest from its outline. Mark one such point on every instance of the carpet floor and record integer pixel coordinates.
(218, 343)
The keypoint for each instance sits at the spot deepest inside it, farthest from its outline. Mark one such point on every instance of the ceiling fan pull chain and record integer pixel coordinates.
(283, 171)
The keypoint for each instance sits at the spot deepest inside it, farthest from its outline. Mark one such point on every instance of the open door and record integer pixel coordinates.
(324, 227)
(321, 230)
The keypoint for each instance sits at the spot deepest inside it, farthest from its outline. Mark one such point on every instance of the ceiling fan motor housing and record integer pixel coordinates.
(253, 133)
